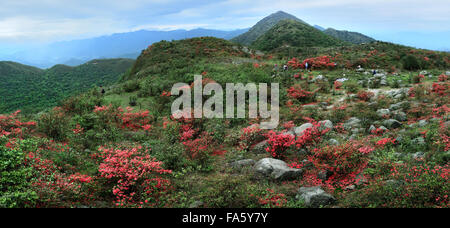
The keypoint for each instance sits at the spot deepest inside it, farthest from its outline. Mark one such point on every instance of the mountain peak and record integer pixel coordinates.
(292, 33)
(263, 26)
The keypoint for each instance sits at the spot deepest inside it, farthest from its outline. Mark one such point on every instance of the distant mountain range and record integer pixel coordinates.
(121, 45)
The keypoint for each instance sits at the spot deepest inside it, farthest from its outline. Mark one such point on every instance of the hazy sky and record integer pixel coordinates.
(419, 23)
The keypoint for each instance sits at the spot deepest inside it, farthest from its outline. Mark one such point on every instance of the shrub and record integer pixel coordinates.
(133, 177)
(410, 187)
(54, 124)
(351, 86)
(15, 187)
(411, 63)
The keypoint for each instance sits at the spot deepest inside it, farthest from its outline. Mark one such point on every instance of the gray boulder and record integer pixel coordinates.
(299, 131)
(333, 142)
(315, 197)
(418, 141)
(260, 148)
(326, 124)
(398, 106)
(423, 123)
(418, 155)
(383, 112)
(400, 116)
(392, 124)
(276, 170)
(352, 123)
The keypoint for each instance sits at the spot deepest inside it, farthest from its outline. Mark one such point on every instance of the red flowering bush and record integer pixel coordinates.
(296, 92)
(443, 78)
(311, 136)
(344, 162)
(272, 199)
(441, 89)
(365, 95)
(10, 125)
(136, 178)
(125, 119)
(279, 143)
(249, 136)
(54, 186)
(320, 62)
(385, 141)
(338, 85)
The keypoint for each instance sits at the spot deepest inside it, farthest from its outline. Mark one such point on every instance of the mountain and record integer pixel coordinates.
(351, 37)
(291, 33)
(263, 26)
(319, 27)
(31, 89)
(120, 45)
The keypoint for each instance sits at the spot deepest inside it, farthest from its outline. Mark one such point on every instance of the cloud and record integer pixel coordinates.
(51, 20)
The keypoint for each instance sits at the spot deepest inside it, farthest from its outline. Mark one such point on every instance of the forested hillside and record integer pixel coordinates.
(351, 37)
(31, 89)
(290, 33)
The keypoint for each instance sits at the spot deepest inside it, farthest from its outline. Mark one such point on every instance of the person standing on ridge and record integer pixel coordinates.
(102, 90)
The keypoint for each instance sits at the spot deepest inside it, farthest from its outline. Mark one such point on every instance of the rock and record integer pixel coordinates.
(394, 183)
(383, 112)
(423, 123)
(315, 197)
(291, 133)
(383, 82)
(196, 204)
(352, 123)
(400, 116)
(299, 131)
(342, 80)
(319, 78)
(242, 163)
(260, 148)
(324, 175)
(447, 73)
(268, 125)
(326, 124)
(379, 75)
(311, 106)
(333, 142)
(350, 188)
(398, 106)
(392, 124)
(418, 155)
(418, 141)
(276, 170)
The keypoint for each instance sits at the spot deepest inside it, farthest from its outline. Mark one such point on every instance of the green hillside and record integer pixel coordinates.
(351, 37)
(31, 89)
(263, 26)
(290, 33)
